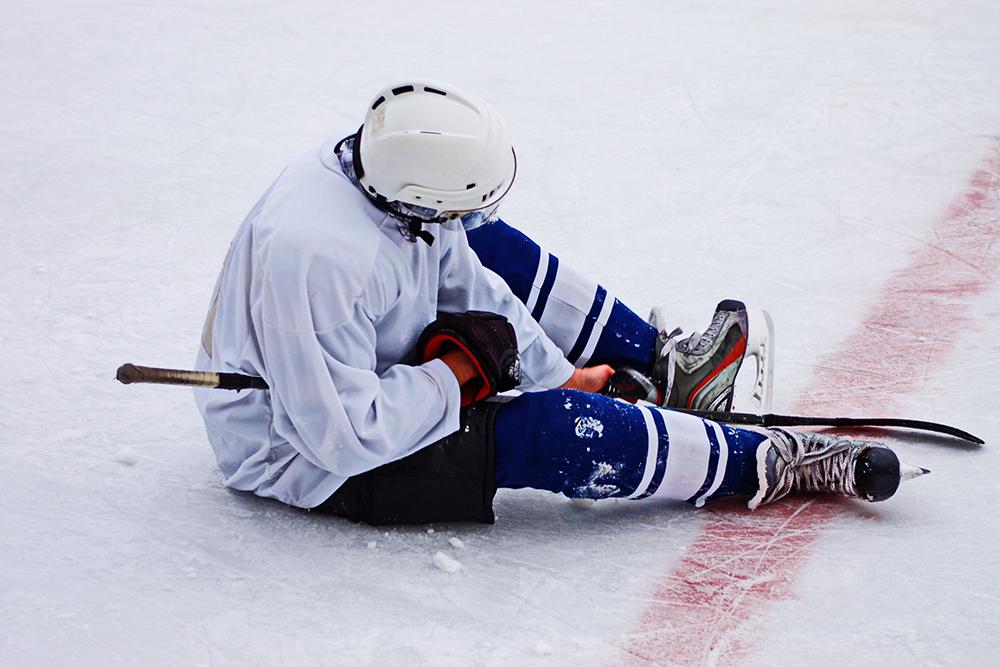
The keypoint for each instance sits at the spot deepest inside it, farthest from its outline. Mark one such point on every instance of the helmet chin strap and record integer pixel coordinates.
(416, 228)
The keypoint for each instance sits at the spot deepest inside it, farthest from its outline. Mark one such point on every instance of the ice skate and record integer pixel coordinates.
(798, 462)
(700, 372)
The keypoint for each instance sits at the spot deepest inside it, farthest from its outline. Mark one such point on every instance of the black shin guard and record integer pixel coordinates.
(451, 480)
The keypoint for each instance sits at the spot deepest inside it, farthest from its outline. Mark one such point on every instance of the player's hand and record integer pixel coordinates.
(480, 348)
(593, 379)
(462, 367)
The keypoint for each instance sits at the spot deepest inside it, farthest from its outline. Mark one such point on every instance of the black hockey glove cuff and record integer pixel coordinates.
(487, 339)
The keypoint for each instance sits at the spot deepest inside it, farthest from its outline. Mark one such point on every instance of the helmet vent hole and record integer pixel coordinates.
(428, 89)
(371, 189)
(429, 132)
(470, 186)
(402, 89)
(378, 103)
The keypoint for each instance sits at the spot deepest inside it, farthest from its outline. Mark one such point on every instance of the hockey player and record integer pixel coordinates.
(375, 289)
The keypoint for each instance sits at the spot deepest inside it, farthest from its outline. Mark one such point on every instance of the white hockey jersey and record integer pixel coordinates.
(323, 297)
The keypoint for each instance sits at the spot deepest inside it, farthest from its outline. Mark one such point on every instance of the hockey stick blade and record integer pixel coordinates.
(768, 420)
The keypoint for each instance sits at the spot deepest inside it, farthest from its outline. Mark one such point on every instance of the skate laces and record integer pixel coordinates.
(666, 361)
(703, 341)
(815, 462)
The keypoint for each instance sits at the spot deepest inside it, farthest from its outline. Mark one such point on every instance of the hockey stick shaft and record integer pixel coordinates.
(768, 420)
(131, 373)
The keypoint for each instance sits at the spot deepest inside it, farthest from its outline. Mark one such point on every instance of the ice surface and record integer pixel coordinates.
(790, 154)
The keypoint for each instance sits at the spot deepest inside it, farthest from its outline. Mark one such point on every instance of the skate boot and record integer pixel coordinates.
(699, 372)
(797, 462)
(705, 365)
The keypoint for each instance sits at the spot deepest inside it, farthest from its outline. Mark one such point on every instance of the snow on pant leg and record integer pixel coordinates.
(590, 446)
(589, 325)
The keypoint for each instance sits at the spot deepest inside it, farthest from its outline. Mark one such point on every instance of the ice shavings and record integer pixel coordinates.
(127, 456)
(446, 563)
(543, 648)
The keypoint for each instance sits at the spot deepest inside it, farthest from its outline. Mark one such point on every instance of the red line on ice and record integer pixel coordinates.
(709, 608)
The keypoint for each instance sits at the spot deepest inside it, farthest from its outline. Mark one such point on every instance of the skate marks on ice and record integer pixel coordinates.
(709, 608)
(737, 556)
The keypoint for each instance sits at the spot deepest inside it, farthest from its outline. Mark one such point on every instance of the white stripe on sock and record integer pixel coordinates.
(595, 335)
(720, 472)
(689, 455)
(570, 300)
(536, 284)
(652, 448)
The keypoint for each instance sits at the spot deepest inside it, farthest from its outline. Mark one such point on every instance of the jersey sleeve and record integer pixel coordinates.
(465, 284)
(318, 345)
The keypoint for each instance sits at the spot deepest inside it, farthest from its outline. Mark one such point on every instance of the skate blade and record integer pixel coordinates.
(754, 384)
(907, 472)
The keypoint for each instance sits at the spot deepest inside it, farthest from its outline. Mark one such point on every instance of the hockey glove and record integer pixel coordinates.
(487, 339)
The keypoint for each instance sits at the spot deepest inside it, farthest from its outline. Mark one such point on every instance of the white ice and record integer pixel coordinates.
(791, 154)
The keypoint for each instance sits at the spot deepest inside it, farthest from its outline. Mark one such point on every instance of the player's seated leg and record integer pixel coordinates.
(593, 327)
(587, 446)
(588, 323)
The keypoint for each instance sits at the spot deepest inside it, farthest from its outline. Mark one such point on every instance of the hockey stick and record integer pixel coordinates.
(768, 420)
(630, 385)
(130, 373)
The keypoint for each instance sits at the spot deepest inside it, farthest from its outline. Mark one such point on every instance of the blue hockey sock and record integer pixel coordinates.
(740, 478)
(590, 446)
(627, 340)
(570, 442)
(590, 326)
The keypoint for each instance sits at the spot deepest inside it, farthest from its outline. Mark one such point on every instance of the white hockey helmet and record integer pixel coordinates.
(434, 147)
